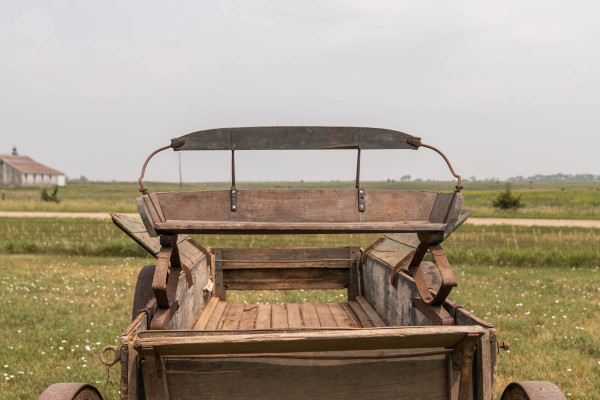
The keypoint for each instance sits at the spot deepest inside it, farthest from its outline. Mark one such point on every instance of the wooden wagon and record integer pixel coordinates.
(398, 336)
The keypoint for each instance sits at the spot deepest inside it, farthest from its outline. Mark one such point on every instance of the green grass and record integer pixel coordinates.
(55, 306)
(571, 200)
(471, 244)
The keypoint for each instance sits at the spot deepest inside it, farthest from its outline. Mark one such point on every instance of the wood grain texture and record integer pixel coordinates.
(326, 319)
(206, 314)
(283, 378)
(371, 313)
(286, 257)
(249, 317)
(185, 343)
(214, 319)
(309, 315)
(263, 317)
(233, 318)
(293, 210)
(280, 279)
(364, 319)
(293, 138)
(341, 317)
(279, 316)
(294, 316)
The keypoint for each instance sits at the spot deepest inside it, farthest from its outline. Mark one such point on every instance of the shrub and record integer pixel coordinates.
(50, 197)
(507, 201)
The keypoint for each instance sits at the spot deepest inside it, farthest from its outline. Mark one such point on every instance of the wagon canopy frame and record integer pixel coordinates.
(296, 138)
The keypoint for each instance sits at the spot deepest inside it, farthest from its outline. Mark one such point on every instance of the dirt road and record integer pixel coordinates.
(581, 223)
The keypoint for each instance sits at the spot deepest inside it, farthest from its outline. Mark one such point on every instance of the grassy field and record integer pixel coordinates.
(494, 245)
(572, 200)
(67, 286)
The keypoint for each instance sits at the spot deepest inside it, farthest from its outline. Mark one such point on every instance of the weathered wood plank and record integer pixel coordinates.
(286, 257)
(191, 299)
(221, 313)
(309, 316)
(279, 316)
(354, 278)
(293, 138)
(364, 319)
(206, 314)
(285, 378)
(296, 210)
(219, 287)
(181, 343)
(234, 316)
(294, 316)
(371, 313)
(342, 319)
(273, 279)
(351, 315)
(325, 316)
(227, 227)
(263, 317)
(214, 319)
(249, 317)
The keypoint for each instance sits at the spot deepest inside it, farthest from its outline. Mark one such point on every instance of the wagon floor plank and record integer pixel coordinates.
(214, 319)
(249, 317)
(220, 315)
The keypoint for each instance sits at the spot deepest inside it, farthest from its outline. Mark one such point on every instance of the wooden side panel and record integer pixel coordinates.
(294, 138)
(297, 205)
(191, 300)
(288, 378)
(394, 305)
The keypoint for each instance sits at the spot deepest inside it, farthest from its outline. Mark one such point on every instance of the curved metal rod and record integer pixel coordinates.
(142, 187)
(417, 142)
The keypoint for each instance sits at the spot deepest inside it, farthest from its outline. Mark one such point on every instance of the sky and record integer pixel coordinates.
(503, 88)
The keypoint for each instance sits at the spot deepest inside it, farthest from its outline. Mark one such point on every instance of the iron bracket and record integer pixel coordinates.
(361, 200)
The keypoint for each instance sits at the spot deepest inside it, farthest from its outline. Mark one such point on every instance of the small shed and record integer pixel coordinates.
(22, 171)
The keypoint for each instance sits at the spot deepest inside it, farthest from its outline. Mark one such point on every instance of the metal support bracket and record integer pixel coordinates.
(361, 200)
(433, 296)
(233, 195)
(233, 192)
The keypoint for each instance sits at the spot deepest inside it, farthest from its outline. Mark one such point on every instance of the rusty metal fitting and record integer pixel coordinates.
(112, 362)
(503, 345)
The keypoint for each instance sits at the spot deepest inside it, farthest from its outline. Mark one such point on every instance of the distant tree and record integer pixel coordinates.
(405, 178)
(82, 178)
(507, 201)
(50, 197)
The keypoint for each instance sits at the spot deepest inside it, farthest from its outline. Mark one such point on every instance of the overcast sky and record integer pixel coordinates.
(504, 88)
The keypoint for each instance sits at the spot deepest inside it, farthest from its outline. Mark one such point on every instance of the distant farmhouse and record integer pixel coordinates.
(19, 170)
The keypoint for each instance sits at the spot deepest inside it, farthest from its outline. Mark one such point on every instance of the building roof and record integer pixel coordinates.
(27, 165)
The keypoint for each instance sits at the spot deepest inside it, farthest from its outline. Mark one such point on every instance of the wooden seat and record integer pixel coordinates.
(297, 211)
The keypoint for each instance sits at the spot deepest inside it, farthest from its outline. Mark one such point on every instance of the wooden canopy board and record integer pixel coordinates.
(294, 138)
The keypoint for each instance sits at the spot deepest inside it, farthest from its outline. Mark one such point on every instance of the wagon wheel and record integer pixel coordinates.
(70, 391)
(143, 289)
(532, 390)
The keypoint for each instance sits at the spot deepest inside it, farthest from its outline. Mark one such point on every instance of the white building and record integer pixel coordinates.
(22, 170)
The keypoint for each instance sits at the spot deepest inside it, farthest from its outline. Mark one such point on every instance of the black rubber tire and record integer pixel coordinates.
(532, 390)
(143, 290)
(70, 391)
